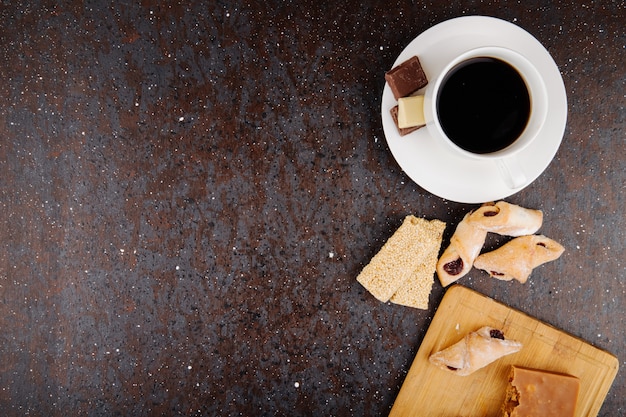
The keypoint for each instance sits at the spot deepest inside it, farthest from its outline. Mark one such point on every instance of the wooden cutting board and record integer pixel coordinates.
(430, 391)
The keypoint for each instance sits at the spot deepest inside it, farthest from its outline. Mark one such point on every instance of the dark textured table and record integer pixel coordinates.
(188, 192)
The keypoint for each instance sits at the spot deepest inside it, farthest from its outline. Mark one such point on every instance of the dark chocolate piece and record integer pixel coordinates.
(406, 78)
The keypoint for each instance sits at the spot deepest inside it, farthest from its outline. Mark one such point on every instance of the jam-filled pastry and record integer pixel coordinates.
(475, 351)
(458, 258)
(517, 258)
(507, 219)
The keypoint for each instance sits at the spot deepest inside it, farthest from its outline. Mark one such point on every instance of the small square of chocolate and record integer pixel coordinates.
(402, 131)
(406, 78)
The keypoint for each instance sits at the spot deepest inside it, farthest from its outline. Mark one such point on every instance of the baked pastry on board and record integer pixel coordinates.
(475, 351)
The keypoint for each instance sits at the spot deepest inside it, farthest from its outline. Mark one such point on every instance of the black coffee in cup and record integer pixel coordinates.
(483, 105)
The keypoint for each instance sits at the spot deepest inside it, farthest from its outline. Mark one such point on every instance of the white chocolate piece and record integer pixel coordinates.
(411, 112)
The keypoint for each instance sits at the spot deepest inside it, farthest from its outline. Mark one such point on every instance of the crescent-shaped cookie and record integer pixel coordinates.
(458, 258)
(475, 351)
(506, 219)
(517, 258)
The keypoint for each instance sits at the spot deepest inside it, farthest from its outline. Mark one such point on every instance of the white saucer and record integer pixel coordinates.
(441, 171)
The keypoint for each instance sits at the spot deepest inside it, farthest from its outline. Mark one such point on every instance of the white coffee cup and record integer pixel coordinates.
(510, 169)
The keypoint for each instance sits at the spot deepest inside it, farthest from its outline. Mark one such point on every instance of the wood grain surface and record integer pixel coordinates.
(430, 391)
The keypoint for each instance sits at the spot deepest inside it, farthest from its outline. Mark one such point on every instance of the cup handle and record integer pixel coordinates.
(511, 172)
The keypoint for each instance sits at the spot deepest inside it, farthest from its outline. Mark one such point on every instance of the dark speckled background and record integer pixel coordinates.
(189, 189)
